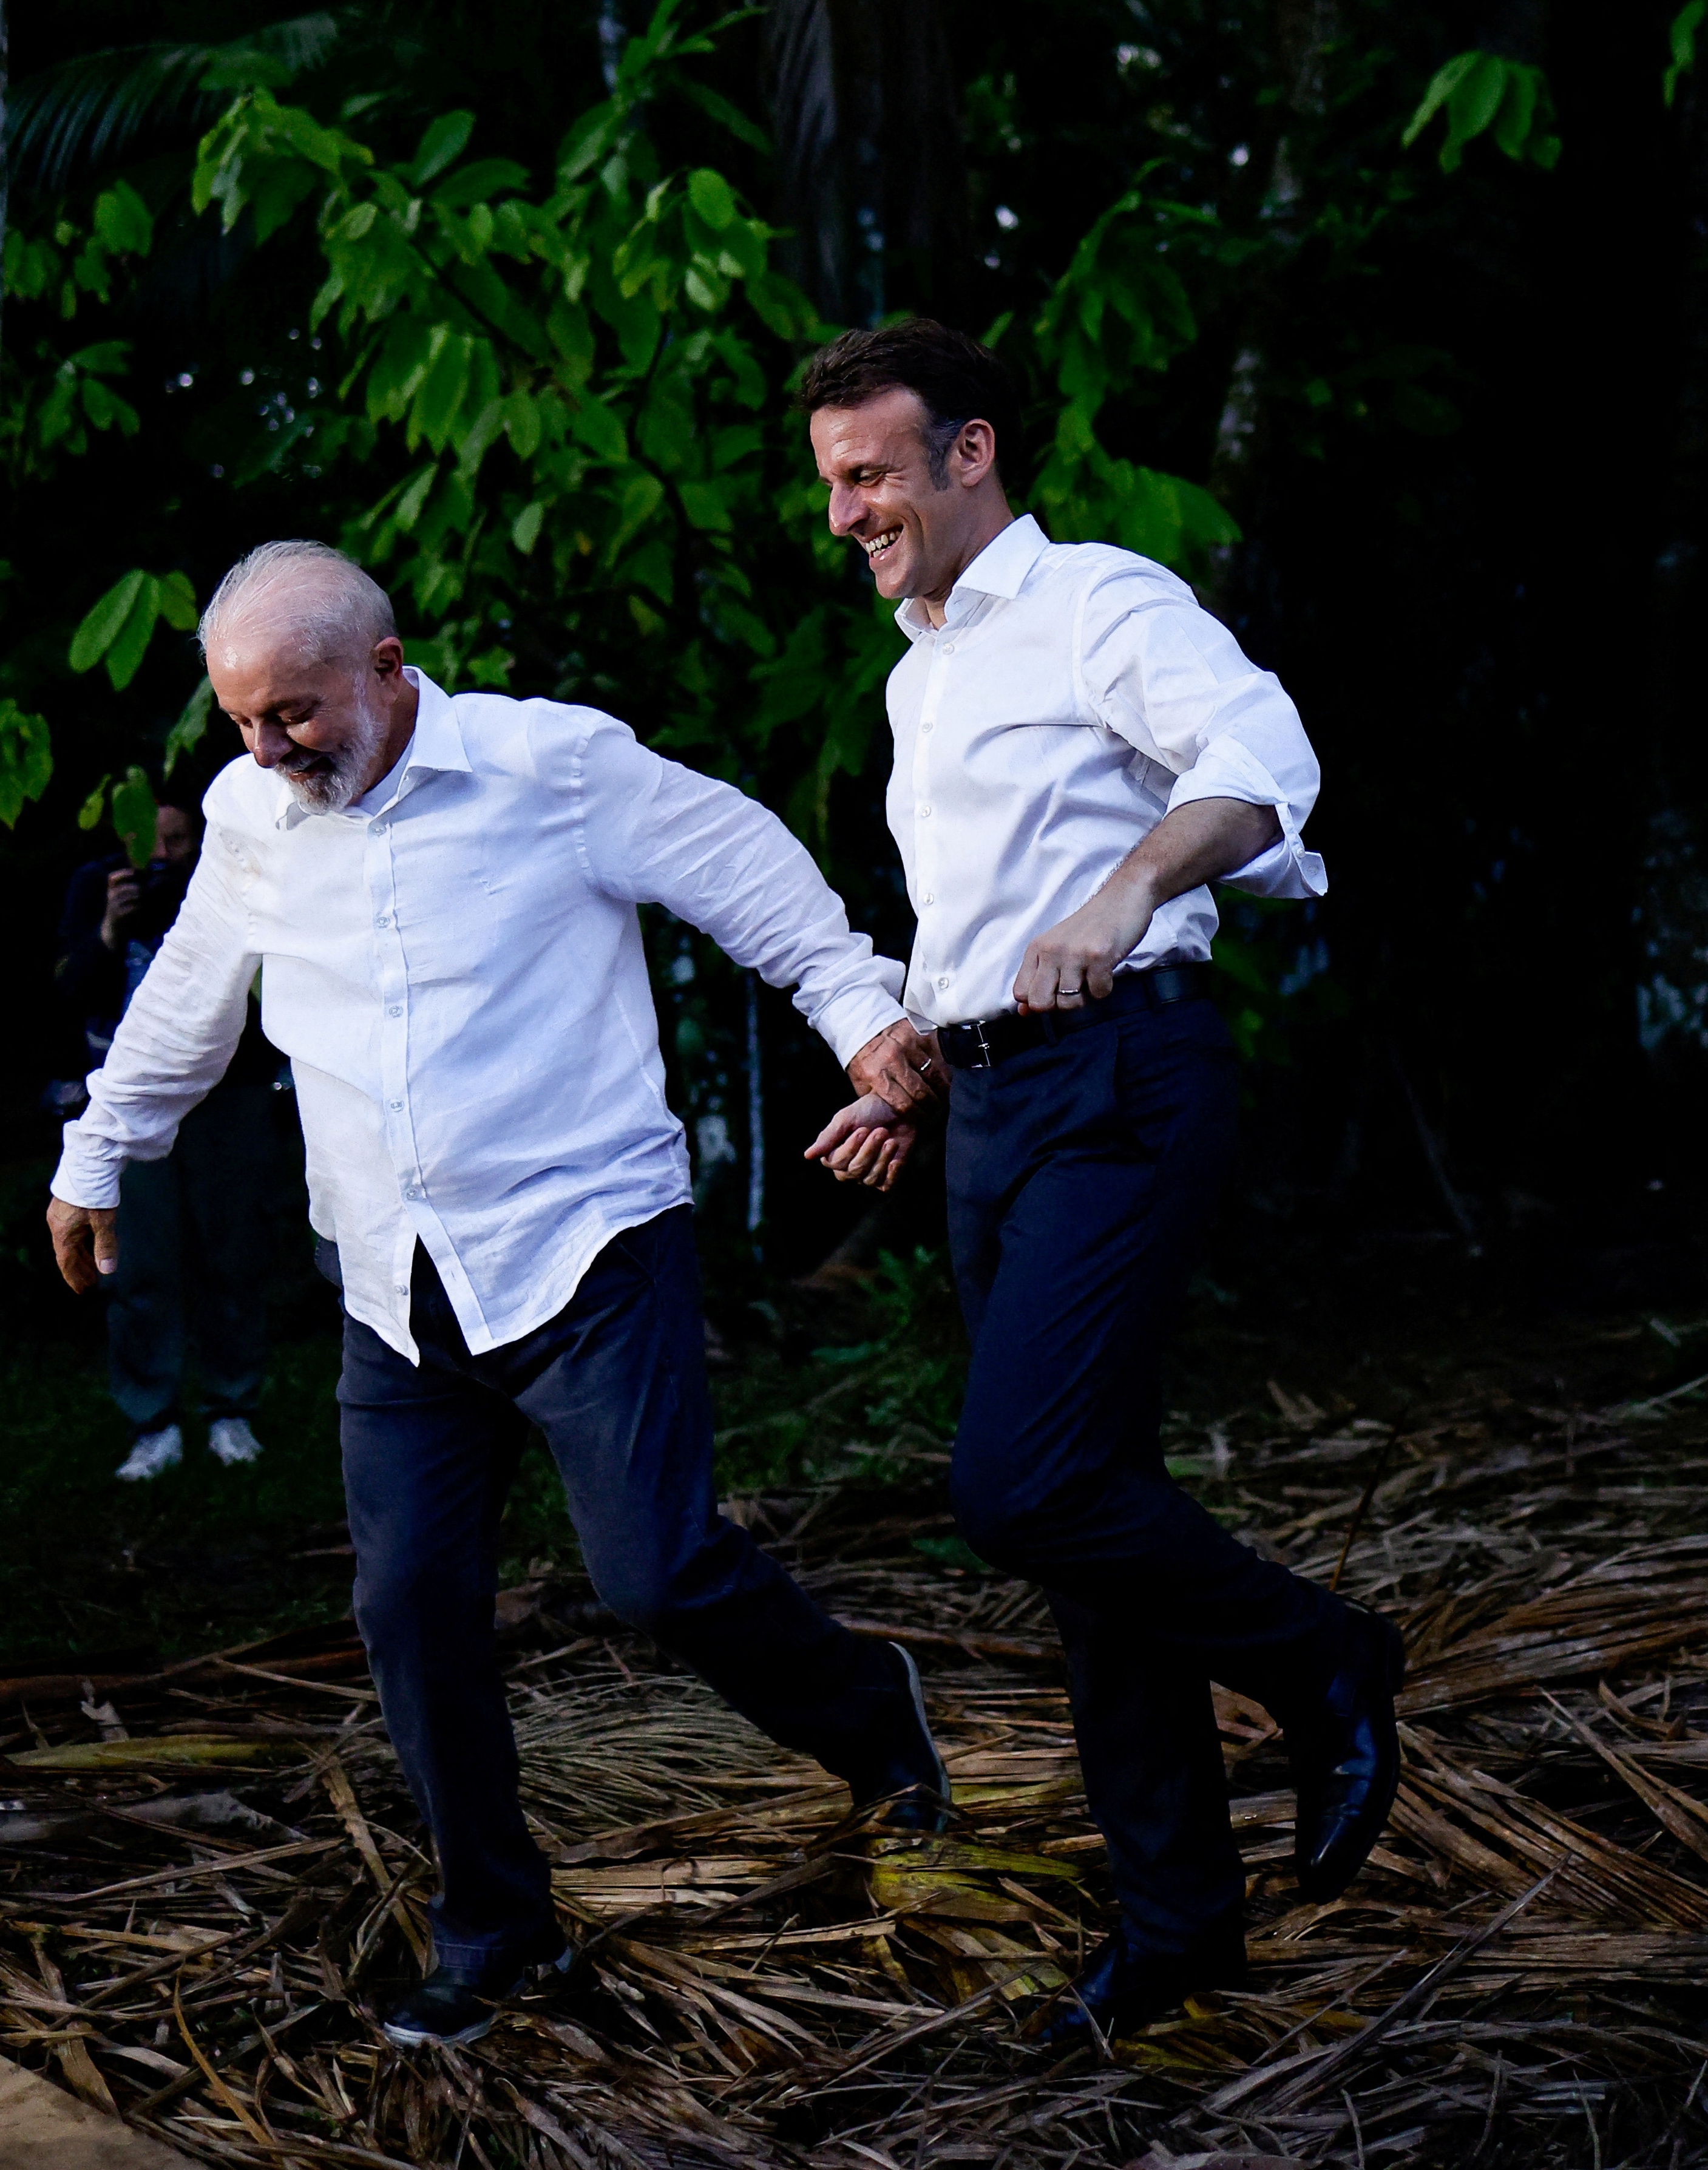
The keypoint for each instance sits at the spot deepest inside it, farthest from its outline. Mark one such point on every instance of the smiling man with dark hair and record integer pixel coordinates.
(1079, 750)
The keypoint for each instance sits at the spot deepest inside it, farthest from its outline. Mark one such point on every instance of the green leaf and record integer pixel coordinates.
(134, 815)
(480, 182)
(642, 495)
(713, 197)
(587, 142)
(522, 414)
(440, 395)
(100, 627)
(442, 143)
(26, 759)
(600, 428)
(721, 110)
(90, 812)
(130, 644)
(1511, 124)
(1484, 92)
(409, 505)
(1442, 87)
(122, 221)
(176, 601)
(1476, 99)
(707, 505)
(524, 530)
(1682, 41)
(187, 732)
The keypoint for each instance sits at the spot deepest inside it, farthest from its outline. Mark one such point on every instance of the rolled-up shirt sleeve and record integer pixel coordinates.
(654, 832)
(1156, 668)
(175, 1040)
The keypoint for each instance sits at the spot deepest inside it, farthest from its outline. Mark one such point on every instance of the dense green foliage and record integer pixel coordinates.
(570, 407)
(503, 308)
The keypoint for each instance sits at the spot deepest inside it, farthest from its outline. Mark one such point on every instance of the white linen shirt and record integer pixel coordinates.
(1075, 694)
(455, 969)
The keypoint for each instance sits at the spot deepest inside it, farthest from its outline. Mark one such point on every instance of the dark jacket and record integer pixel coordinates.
(96, 983)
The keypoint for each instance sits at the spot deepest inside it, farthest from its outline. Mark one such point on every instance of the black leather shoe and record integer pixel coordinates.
(910, 1790)
(449, 2009)
(1346, 1760)
(1124, 1988)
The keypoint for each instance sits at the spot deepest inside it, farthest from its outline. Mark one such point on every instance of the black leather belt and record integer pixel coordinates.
(987, 1041)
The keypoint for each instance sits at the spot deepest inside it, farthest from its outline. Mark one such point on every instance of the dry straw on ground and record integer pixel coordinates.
(211, 1878)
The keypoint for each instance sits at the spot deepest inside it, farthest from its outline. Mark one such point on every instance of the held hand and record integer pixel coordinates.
(124, 893)
(866, 1142)
(85, 1242)
(1076, 961)
(904, 1071)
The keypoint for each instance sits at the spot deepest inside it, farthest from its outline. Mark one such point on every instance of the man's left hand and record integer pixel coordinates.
(1075, 962)
(901, 1068)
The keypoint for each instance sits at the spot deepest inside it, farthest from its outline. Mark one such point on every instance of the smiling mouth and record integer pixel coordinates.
(880, 544)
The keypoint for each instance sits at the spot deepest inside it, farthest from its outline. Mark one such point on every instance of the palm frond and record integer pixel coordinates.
(71, 123)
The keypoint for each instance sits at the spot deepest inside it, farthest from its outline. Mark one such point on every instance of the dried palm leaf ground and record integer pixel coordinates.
(211, 1878)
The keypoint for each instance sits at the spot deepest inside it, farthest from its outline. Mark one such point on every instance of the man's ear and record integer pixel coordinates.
(975, 453)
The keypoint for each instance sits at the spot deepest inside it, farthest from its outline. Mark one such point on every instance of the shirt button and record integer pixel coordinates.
(383, 921)
(929, 727)
(379, 830)
(412, 1192)
(942, 979)
(400, 1288)
(948, 648)
(394, 1105)
(925, 813)
(396, 1010)
(928, 898)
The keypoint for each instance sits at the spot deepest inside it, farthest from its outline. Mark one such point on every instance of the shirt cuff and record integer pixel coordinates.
(849, 1020)
(88, 1172)
(1229, 770)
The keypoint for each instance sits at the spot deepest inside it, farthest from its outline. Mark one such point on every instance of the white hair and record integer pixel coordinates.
(307, 590)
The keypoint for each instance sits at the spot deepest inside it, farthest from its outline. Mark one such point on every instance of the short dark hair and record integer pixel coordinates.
(954, 378)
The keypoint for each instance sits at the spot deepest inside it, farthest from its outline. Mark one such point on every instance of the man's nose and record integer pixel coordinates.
(847, 509)
(268, 742)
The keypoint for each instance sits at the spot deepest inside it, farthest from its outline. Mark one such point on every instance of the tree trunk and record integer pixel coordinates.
(871, 175)
(5, 149)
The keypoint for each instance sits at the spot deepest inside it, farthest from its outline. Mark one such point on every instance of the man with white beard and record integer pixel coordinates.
(440, 896)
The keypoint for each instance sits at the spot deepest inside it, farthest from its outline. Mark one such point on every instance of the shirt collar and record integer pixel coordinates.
(437, 746)
(999, 569)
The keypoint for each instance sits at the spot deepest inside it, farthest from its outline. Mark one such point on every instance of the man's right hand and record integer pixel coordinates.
(85, 1241)
(124, 893)
(866, 1142)
(902, 1068)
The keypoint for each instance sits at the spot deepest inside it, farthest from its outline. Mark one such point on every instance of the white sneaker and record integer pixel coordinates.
(154, 1451)
(231, 1439)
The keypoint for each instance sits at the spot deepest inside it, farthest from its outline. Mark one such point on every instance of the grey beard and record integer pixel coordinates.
(330, 790)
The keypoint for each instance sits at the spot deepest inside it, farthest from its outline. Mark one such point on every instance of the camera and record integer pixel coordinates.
(161, 895)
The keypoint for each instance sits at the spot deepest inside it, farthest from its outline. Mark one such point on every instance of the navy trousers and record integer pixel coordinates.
(1081, 1175)
(616, 1382)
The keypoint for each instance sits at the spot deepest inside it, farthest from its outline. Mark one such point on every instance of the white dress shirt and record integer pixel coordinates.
(1075, 694)
(455, 968)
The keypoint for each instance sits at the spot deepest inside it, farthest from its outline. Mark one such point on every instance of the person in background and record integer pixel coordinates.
(189, 1224)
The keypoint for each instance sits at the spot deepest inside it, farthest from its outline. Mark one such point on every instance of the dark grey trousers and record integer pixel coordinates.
(195, 1232)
